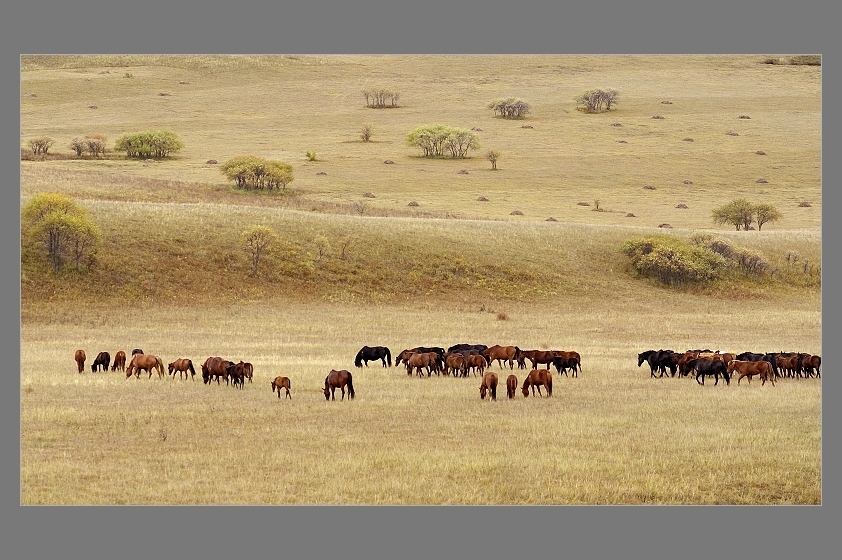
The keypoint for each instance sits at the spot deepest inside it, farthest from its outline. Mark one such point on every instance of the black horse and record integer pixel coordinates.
(709, 367)
(367, 353)
(469, 348)
(137, 351)
(102, 359)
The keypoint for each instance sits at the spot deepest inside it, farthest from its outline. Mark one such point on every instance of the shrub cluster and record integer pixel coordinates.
(251, 172)
(149, 144)
(64, 229)
(671, 261)
(597, 100)
(510, 108)
(94, 144)
(439, 140)
(40, 145)
(380, 98)
(746, 260)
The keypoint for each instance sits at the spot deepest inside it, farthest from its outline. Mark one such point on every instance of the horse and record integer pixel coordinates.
(137, 351)
(501, 354)
(470, 348)
(538, 357)
(215, 368)
(103, 360)
(279, 383)
(511, 386)
(248, 371)
(367, 353)
(419, 361)
(475, 361)
(567, 360)
(80, 360)
(537, 378)
(182, 366)
(750, 369)
(812, 365)
(454, 363)
(148, 362)
(488, 385)
(712, 367)
(236, 374)
(338, 379)
(119, 361)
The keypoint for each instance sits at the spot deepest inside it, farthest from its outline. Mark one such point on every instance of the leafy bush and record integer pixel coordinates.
(252, 172)
(438, 140)
(149, 144)
(671, 261)
(746, 260)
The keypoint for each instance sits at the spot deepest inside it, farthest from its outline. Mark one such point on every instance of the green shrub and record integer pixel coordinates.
(149, 144)
(671, 261)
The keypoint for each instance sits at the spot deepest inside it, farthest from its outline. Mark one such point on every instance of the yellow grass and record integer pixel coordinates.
(172, 279)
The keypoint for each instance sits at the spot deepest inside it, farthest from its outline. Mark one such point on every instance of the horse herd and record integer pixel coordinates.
(768, 366)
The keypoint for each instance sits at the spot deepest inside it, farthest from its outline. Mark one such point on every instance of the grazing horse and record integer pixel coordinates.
(119, 361)
(338, 379)
(488, 385)
(279, 383)
(750, 369)
(367, 353)
(454, 363)
(80, 360)
(182, 366)
(475, 361)
(470, 348)
(147, 362)
(567, 360)
(103, 360)
(712, 367)
(501, 354)
(215, 368)
(511, 386)
(137, 351)
(419, 361)
(537, 378)
(538, 357)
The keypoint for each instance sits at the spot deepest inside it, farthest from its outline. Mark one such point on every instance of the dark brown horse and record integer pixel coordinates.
(501, 354)
(80, 360)
(538, 357)
(565, 360)
(215, 368)
(338, 380)
(182, 366)
(248, 371)
(237, 374)
(511, 386)
(488, 385)
(119, 361)
(103, 360)
(536, 379)
(146, 362)
(279, 383)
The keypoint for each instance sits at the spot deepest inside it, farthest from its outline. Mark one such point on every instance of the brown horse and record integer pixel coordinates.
(182, 366)
(403, 357)
(248, 371)
(147, 362)
(537, 378)
(215, 368)
(237, 374)
(511, 386)
(419, 361)
(565, 360)
(811, 365)
(338, 380)
(488, 385)
(454, 363)
(501, 354)
(119, 361)
(80, 360)
(475, 361)
(279, 383)
(538, 357)
(750, 369)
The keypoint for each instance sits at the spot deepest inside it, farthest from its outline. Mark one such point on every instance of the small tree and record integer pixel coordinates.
(95, 143)
(764, 213)
(257, 241)
(493, 156)
(438, 139)
(77, 145)
(149, 144)
(738, 213)
(40, 145)
(597, 100)
(510, 108)
(365, 132)
(251, 172)
(63, 228)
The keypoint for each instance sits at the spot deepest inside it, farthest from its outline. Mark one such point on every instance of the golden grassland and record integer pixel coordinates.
(351, 270)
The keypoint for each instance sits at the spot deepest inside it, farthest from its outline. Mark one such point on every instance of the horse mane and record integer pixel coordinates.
(358, 361)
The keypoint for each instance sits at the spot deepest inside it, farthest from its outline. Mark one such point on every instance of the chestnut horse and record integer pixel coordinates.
(537, 378)
(338, 379)
(750, 369)
(501, 354)
(419, 361)
(475, 361)
(488, 385)
(511, 386)
(538, 357)
(148, 362)
(215, 368)
(182, 366)
(80, 360)
(119, 361)
(248, 371)
(454, 363)
(279, 383)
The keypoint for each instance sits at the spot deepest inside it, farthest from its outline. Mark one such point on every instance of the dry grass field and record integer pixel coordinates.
(351, 270)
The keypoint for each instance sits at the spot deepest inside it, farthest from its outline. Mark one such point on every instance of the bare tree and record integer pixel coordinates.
(257, 241)
(365, 132)
(493, 156)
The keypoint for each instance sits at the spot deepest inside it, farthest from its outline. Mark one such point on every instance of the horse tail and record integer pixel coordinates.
(388, 357)
(350, 386)
(358, 361)
(190, 365)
